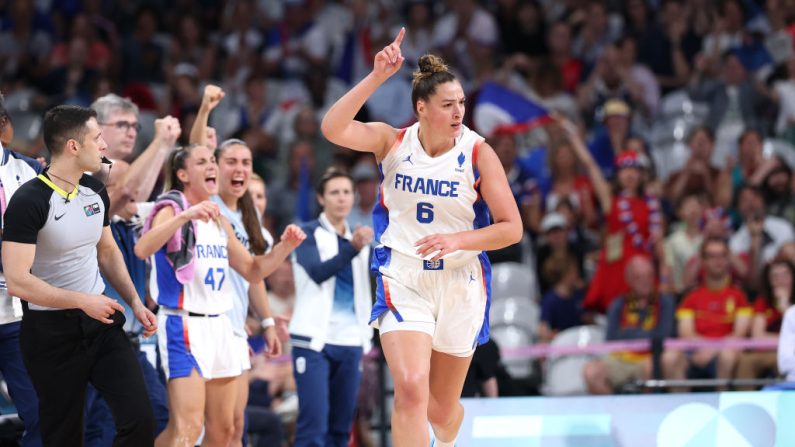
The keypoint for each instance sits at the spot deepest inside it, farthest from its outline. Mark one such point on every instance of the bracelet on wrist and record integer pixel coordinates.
(267, 322)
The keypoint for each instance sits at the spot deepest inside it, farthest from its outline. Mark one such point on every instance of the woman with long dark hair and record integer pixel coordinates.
(236, 204)
(235, 168)
(193, 248)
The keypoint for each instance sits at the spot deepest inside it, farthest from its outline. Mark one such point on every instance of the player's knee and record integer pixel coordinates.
(188, 429)
(411, 389)
(220, 429)
(239, 427)
(223, 433)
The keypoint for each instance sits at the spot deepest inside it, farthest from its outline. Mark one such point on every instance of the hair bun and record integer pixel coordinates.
(429, 65)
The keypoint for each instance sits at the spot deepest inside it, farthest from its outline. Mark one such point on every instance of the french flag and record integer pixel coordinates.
(499, 110)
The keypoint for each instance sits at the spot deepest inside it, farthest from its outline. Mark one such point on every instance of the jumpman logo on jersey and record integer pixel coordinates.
(471, 278)
(408, 159)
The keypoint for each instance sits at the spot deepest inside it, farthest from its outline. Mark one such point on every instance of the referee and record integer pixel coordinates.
(56, 241)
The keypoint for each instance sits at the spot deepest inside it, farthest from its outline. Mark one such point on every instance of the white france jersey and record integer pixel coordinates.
(237, 315)
(209, 292)
(422, 195)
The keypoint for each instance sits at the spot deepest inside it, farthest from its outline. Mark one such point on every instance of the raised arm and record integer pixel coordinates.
(339, 127)
(166, 223)
(600, 185)
(140, 178)
(256, 268)
(212, 96)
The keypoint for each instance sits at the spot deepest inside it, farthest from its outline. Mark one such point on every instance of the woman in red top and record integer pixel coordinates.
(778, 294)
(633, 221)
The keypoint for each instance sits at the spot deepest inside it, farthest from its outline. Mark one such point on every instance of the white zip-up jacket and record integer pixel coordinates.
(15, 169)
(316, 263)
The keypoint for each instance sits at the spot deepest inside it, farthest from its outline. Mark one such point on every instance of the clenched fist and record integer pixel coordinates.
(212, 96)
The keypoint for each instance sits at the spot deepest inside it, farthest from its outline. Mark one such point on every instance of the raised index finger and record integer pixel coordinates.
(399, 38)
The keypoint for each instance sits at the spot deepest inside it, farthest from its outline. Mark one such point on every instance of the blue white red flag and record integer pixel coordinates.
(501, 110)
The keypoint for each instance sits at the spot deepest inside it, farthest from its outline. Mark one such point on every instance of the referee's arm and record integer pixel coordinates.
(113, 268)
(17, 262)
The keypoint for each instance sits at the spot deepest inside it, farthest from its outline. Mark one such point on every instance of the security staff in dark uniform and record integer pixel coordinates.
(56, 241)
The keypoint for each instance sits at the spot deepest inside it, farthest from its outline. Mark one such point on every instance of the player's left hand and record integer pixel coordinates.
(293, 236)
(441, 244)
(272, 342)
(147, 319)
(212, 96)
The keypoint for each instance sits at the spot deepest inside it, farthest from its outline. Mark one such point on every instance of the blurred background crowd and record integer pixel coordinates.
(656, 186)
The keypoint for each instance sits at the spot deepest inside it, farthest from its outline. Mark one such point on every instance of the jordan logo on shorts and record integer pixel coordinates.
(433, 265)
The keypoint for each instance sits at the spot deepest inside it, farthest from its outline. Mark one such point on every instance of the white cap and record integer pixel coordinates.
(553, 220)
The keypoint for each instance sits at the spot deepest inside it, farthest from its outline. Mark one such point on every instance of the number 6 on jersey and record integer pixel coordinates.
(424, 212)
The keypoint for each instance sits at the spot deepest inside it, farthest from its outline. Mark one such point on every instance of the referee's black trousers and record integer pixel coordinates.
(63, 351)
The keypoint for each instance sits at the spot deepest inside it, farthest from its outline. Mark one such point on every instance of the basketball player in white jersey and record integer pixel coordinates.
(197, 341)
(439, 180)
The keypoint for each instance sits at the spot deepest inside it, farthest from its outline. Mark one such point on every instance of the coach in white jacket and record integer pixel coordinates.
(329, 329)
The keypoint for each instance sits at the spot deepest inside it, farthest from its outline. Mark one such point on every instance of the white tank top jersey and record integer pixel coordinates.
(209, 292)
(422, 195)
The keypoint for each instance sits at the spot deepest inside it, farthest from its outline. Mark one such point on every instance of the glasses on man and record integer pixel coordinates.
(124, 126)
